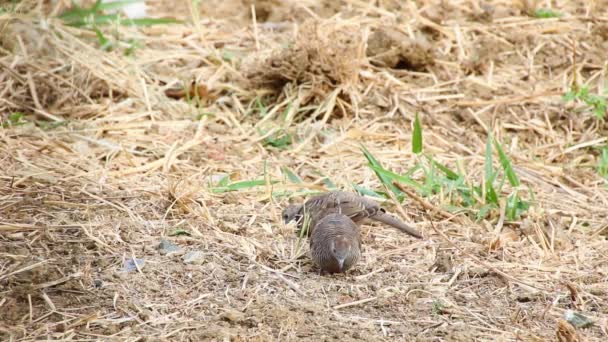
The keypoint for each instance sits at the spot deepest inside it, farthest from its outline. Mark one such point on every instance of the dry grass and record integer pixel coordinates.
(106, 165)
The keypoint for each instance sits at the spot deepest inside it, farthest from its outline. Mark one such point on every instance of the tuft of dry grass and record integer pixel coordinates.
(323, 55)
(98, 165)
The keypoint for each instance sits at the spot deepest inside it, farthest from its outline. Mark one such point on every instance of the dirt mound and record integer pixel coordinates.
(323, 55)
(389, 47)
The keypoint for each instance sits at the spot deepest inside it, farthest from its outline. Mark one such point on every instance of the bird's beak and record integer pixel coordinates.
(340, 264)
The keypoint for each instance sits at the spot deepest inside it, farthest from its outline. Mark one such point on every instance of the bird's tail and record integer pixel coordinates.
(388, 219)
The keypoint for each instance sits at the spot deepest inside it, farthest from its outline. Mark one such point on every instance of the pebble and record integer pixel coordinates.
(167, 247)
(130, 266)
(194, 257)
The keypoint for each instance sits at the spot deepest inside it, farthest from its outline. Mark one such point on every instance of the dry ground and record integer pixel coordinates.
(104, 165)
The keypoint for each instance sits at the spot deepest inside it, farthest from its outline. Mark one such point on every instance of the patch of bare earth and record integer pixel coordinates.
(109, 159)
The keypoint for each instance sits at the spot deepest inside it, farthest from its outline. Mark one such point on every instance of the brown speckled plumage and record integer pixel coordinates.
(335, 244)
(357, 208)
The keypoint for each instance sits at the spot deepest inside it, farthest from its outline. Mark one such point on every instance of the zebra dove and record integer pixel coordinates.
(357, 207)
(335, 245)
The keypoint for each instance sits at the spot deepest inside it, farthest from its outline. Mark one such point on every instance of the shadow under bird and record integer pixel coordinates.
(335, 243)
(352, 205)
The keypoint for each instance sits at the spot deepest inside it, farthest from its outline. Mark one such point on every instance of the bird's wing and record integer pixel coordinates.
(350, 204)
(354, 206)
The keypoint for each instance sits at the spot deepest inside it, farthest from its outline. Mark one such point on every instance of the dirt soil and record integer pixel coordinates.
(198, 134)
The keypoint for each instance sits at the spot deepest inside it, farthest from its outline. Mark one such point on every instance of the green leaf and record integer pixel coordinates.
(113, 5)
(280, 139)
(417, 139)
(179, 232)
(47, 125)
(365, 191)
(569, 96)
(506, 165)
(328, 183)
(224, 181)
(449, 173)
(14, 119)
(602, 167)
(291, 175)
(390, 176)
(515, 207)
(228, 56)
(545, 13)
(93, 20)
(511, 209)
(484, 211)
(241, 185)
(430, 182)
(489, 169)
(491, 196)
(411, 171)
(262, 109)
(149, 21)
(104, 43)
(381, 172)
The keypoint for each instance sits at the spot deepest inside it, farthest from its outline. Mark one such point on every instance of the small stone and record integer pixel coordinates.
(577, 319)
(131, 266)
(16, 236)
(218, 177)
(194, 257)
(167, 247)
(233, 316)
(98, 283)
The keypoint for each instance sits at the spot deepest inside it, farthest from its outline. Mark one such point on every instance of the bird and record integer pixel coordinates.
(356, 207)
(335, 244)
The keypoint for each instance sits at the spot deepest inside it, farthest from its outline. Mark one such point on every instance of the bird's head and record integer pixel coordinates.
(341, 247)
(293, 212)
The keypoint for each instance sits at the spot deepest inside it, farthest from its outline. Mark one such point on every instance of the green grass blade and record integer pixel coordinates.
(241, 185)
(380, 171)
(149, 21)
(291, 175)
(365, 191)
(491, 196)
(93, 20)
(224, 181)
(104, 43)
(390, 176)
(484, 211)
(506, 165)
(602, 167)
(417, 138)
(114, 5)
(448, 173)
(329, 183)
(411, 171)
(544, 13)
(489, 169)
(511, 209)
(76, 13)
(430, 182)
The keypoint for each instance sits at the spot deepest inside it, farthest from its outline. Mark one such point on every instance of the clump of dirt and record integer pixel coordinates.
(21, 286)
(268, 10)
(324, 55)
(483, 51)
(601, 31)
(389, 47)
(36, 81)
